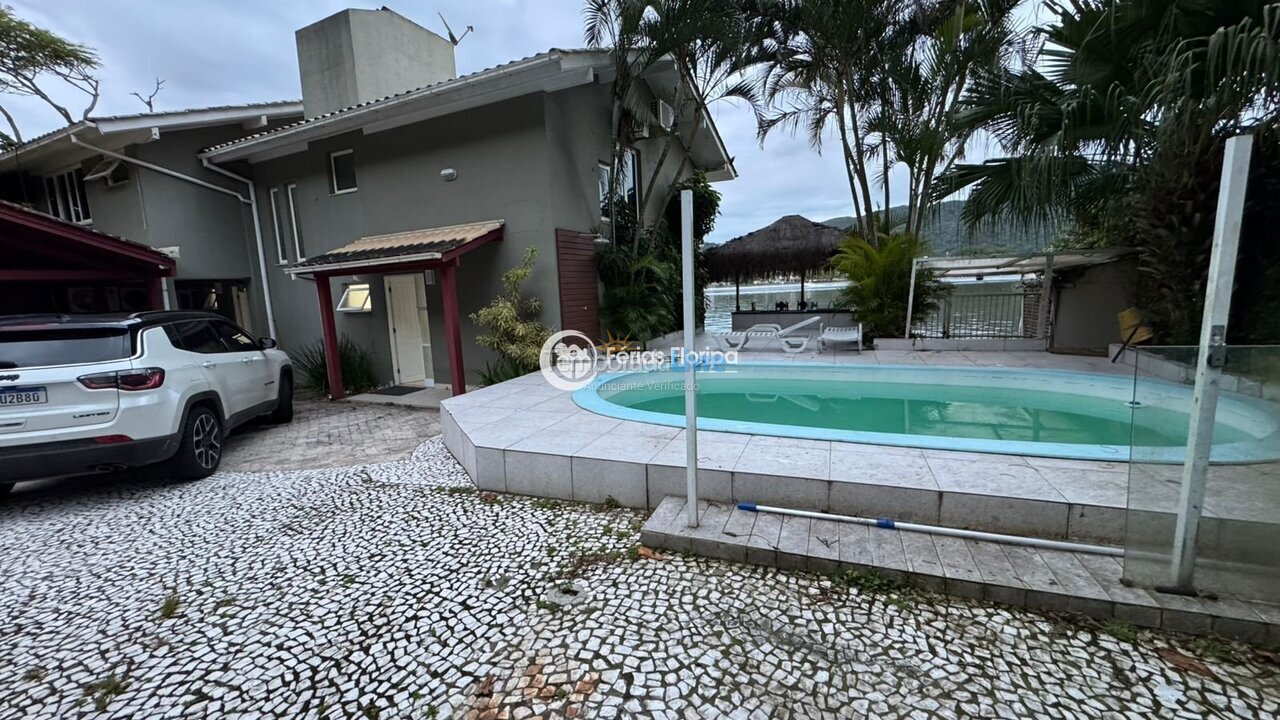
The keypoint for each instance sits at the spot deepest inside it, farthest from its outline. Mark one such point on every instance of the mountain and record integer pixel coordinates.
(947, 235)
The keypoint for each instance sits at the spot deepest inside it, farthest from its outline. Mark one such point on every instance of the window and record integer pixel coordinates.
(277, 224)
(356, 298)
(606, 180)
(629, 183)
(62, 346)
(293, 223)
(234, 338)
(66, 197)
(628, 187)
(342, 172)
(196, 336)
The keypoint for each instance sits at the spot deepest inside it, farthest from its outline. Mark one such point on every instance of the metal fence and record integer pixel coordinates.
(983, 315)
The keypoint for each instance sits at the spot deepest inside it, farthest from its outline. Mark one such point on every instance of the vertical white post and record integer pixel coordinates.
(911, 297)
(165, 284)
(1046, 296)
(1212, 355)
(690, 382)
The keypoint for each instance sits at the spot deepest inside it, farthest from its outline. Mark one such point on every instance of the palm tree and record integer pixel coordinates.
(1114, 76)
(886, 74)
(712, 43)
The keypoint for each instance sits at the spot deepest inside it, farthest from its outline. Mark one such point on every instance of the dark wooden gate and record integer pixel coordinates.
(579, 287)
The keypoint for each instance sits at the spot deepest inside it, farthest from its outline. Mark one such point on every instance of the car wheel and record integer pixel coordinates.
(284, 401)
(200, 451)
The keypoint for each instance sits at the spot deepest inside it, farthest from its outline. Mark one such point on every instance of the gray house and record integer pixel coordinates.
(389, 208)
(138, 177)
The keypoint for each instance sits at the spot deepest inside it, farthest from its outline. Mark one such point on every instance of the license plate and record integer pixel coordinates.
(34, 395)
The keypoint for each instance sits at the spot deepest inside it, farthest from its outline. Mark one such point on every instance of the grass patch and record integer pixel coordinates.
(35, 674)
(457, 491)
(225, 602)
(869, 582)
(1119, 630)
(1212, 647)
(348, 580)
(169, 606)
(103, 691)
(547, 605)
(545, 504)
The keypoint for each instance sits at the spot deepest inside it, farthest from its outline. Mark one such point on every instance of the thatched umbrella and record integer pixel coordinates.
(790, 245)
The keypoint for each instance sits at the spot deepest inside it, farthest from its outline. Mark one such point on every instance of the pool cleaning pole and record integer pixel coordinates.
(690, 388)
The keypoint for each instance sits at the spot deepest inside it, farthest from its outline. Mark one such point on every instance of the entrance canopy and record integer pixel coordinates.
(968, 267)
(439, 248)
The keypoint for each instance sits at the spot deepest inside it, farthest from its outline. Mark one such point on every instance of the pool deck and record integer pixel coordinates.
(526, 437)
(1053, 580)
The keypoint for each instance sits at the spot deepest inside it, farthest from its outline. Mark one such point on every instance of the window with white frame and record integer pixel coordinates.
(277, 226)
(66, 197)
(605, 175)
(342, 171)
(298, 248)
(356, 298)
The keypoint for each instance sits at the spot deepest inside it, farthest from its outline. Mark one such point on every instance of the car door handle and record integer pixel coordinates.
(208, 364)
(246, 361)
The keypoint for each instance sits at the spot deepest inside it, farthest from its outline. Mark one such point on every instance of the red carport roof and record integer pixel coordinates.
(48, 247)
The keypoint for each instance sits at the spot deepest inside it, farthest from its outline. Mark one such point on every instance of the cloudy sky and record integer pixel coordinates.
(216, 52)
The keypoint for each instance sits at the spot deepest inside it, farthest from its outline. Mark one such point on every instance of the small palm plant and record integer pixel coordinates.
(880, 280)
(515, 333)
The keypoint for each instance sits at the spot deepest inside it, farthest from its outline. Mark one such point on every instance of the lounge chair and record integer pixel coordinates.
(785, 335)
(840, 334)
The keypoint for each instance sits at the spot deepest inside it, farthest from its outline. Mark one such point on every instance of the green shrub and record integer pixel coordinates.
(356, 362)
(880, 280)
(512, 321)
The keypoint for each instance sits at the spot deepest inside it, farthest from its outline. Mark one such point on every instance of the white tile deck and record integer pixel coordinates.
(524, 436)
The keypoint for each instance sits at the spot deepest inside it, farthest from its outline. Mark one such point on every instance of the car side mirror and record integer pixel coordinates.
(267, 343)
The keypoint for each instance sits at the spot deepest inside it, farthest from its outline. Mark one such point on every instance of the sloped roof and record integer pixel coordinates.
(412, 245)
(495, 71)
(789, 245)
(161, 118)
(49, 226)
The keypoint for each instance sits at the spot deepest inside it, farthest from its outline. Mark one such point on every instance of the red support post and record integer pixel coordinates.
(453, 326)
(155, 292)
(330, 331)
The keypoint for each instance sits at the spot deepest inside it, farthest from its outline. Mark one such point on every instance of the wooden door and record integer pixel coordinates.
(579, 283)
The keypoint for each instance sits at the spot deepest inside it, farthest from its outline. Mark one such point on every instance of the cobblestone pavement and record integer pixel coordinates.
(328, 434)
(396, 590)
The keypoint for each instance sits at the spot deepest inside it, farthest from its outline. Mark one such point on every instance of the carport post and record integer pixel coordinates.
(332, 360)
(452, 326)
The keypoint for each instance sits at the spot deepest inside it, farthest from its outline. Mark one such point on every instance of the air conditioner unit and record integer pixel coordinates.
(639, 130)
(665, 114)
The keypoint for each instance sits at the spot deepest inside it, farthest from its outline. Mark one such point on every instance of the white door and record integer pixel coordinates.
(410, 339)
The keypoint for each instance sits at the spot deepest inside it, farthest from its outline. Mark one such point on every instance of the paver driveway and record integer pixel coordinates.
(393, 589)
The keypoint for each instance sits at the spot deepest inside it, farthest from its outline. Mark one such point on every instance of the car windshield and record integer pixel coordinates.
(61, 346)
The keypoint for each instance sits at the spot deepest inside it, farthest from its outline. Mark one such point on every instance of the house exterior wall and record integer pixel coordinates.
(500, 155)
(1087, 306)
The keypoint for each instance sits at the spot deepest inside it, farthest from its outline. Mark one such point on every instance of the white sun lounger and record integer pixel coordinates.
(840, 334)
(770, 331)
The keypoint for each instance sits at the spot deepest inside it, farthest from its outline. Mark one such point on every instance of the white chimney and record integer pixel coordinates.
(355, 56)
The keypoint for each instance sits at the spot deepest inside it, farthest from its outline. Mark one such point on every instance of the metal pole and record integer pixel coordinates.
(911, 297)
(1046, 288)
(690, 383)
(1212, 355)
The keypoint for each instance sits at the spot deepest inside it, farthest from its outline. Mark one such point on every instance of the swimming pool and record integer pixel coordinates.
(1015, 411)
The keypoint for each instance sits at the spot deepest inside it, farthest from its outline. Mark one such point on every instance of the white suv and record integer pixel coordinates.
(97, 393)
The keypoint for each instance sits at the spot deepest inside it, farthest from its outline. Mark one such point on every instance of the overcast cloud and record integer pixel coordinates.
(216, 52)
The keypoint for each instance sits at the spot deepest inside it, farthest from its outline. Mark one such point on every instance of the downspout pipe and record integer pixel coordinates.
(257, 238)
(251, 201)
(890, 524)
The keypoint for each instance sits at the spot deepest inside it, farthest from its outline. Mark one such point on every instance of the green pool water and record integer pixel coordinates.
(987, 412)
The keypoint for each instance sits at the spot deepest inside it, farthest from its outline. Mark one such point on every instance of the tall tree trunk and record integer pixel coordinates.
(860, 171)
(858, 217)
